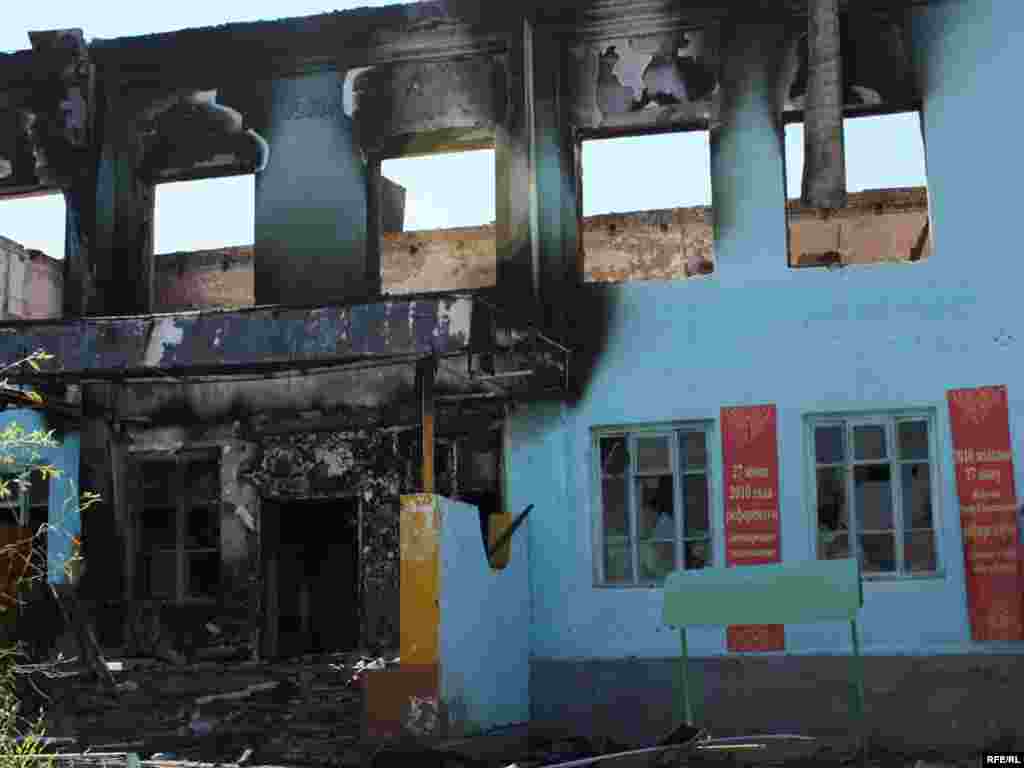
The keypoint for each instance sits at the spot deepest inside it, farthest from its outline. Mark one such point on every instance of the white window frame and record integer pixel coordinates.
(889, 420)
(632, 433)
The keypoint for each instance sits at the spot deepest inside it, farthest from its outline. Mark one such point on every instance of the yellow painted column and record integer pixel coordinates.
(420, 573)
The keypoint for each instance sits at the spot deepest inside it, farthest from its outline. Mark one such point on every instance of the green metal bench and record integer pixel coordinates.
(784, 593)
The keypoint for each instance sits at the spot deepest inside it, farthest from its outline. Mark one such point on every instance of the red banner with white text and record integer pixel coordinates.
(751, 467)
(983, 457)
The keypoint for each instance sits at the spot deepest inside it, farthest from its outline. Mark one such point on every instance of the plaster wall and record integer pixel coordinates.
(64, 517)
(862, 338)
(484, 629)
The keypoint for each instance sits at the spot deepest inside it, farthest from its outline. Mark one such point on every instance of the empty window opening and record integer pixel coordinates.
(203, 233)
(886, 217)
(312, 572)
(437, 222)
(32, 256)
(641, 220)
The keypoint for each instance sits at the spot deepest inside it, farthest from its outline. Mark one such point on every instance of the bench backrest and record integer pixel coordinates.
(782, 593)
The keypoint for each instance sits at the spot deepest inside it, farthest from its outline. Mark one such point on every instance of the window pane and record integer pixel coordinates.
(697, 554)
(203, 528)
(156, 529)
(872, 488)
(878, 552)
(652, 455)
(203, 481)
(695, 450)
(613, 504)
(913, 439)
(656, 515)
(696, 515)
(618, 563)
(161, 575)
(156, 482)
(917, 496)
(833, 545)
(869, 442)
(828, 445)
(919, 551)
(657, 560)
(614, 456)
(833, 514)
(203, 574)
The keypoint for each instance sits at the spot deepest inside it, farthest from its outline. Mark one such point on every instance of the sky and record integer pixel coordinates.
(442, 191)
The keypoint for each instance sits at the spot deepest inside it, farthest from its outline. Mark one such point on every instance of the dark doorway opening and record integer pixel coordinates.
(311, 567)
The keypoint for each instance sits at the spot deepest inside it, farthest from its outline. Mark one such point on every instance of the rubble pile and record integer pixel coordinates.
(306, 711)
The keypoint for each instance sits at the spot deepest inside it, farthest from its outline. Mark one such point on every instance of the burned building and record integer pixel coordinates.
(251, 450)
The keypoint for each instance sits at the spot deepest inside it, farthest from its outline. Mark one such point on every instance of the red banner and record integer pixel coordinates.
(751, 466)
(980, 421)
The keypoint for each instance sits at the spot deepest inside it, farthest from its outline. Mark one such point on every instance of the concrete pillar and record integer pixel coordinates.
(515, 220)
(464, 628)
(555, 179)
(748, 185)
(311, 200)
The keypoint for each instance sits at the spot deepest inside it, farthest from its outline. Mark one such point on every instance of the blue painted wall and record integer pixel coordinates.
(64, 517)
(876, 337)
(485, 625)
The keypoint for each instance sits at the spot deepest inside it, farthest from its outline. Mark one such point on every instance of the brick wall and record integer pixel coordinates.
(31, 283)
(673, 244)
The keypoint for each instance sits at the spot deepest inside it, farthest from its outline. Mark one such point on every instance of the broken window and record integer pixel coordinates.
(647, 226)
(437, 222)
(203, 234)
(874, 492)
(178, 529)
(886, 217)
(32, 256)
(654, 502)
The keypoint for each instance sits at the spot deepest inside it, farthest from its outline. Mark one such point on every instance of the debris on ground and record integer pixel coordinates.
(366, 664)
(305, 712)
(297, 712)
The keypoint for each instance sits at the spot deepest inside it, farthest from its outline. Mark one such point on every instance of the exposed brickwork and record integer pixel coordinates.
(648, 245)
(216, 278)
(439, 260)
(671, 244)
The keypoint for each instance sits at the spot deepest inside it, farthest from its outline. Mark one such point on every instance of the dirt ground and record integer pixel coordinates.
(307, 712)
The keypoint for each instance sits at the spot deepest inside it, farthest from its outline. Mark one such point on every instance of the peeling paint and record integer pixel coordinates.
(278, 336)
(667, 78)
(420, 539)
(165, 333)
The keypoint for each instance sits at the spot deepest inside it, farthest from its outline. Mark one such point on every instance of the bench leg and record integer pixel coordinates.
(858, 710)
(684, 695)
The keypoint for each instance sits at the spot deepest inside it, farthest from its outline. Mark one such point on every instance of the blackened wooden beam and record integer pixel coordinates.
(426, 370)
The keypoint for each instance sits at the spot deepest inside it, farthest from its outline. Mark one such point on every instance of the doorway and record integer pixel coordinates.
(311, 572)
